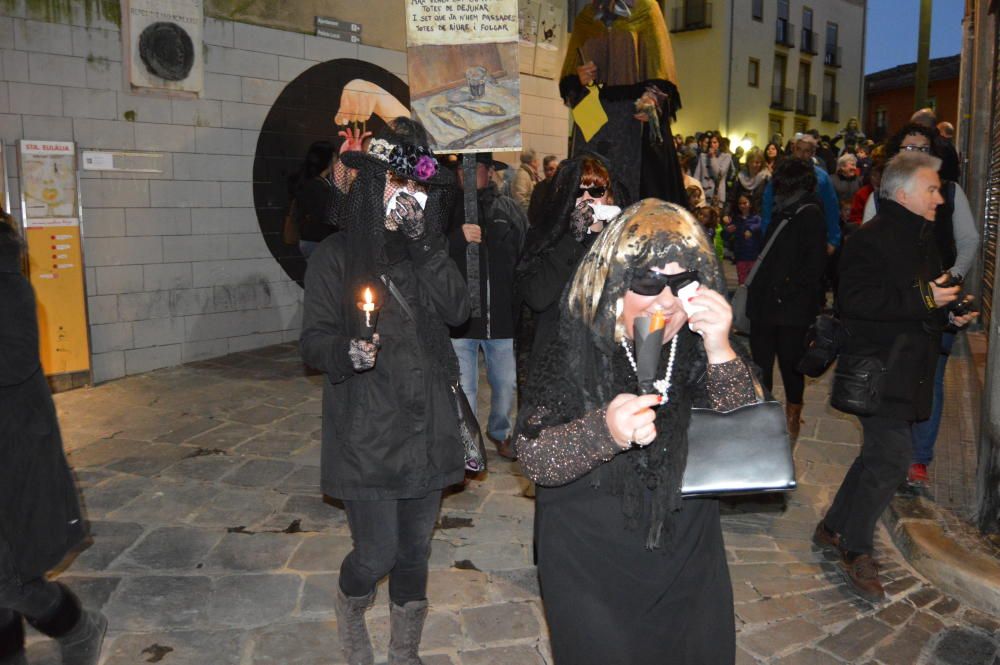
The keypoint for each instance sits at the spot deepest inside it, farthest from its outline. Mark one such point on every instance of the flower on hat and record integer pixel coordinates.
(410, 161)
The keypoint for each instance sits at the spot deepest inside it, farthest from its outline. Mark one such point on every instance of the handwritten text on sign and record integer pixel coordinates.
(442, 22)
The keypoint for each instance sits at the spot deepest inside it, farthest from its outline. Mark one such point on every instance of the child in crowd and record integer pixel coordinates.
(708, 217)
(744, 232)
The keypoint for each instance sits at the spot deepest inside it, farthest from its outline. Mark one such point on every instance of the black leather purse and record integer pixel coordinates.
(857, 384)
(743, 451)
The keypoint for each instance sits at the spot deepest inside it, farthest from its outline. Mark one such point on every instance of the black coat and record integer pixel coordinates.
(40, 517)
(787, 288)
(504, 225)
(884, 272)
(390, 432)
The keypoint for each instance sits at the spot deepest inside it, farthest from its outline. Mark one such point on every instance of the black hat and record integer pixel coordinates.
(454, 161)
(413, 162)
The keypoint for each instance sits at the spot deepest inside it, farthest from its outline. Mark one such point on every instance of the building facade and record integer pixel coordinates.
(180, 264)
(755, 68)
(889, 95)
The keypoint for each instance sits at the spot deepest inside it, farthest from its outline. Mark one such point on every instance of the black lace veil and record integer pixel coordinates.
(584, 366)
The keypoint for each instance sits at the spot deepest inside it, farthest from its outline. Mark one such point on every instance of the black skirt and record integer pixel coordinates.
(610, 601)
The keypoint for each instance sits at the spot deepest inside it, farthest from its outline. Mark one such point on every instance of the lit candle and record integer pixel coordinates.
(368, 307)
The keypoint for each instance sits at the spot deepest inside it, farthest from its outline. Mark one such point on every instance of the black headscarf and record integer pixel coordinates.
(558, 207)
(371, 249)
(585, 366)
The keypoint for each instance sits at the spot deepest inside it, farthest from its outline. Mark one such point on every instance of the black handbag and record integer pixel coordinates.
(468, 425)
(743, 451)
(857, 384)
(824, 340)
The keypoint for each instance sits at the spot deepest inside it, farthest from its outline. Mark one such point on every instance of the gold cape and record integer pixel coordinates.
(645, 31)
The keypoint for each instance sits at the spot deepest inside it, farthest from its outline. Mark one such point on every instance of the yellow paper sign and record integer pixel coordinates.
(589, 115)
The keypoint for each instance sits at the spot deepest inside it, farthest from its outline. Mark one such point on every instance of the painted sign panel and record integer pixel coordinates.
(50, 210)
(164, 46)
(463, 73)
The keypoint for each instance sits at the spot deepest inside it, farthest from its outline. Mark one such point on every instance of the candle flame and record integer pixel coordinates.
(659, 321)
(368, 296)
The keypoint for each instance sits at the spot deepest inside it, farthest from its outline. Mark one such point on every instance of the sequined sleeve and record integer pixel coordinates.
(563, 453)
(730, 385)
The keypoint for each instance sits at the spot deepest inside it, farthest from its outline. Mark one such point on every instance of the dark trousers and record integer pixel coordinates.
(391, 537)
(36, 599)
(870, 482)
(788, 344)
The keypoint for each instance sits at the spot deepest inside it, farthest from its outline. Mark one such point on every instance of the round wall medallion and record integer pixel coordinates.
(167, 50)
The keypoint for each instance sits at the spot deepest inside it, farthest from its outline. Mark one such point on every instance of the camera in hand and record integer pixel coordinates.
(964, 306)
(950, 281)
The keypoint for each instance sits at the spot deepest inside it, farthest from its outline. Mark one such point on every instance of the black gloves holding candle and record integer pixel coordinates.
(362, 353)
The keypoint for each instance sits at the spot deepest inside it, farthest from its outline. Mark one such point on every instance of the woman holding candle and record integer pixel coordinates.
(390, 428)
(630, 573)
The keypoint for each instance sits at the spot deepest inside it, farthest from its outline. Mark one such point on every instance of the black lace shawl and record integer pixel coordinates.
(584, 366)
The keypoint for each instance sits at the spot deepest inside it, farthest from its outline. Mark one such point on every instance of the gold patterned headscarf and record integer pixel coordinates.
(648, 234)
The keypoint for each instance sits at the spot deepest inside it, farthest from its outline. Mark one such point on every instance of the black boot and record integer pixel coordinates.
(79, 632)
(406, 625)
(11, 637)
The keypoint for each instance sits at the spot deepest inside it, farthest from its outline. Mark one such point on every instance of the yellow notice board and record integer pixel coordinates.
(50, 210)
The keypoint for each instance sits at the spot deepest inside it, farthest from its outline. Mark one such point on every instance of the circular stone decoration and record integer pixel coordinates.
(167, 50)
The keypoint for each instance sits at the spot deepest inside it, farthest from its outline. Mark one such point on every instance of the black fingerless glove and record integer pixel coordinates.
(581, 219)
(409, 217)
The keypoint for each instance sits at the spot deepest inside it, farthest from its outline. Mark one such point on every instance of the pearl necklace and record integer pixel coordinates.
(661, 385)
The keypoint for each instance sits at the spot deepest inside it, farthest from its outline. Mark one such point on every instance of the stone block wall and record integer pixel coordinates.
(177, 269)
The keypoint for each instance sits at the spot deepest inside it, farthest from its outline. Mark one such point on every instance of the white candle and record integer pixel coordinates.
(368, 307)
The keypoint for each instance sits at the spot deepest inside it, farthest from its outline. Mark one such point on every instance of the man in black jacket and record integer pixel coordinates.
(487, 253)
(894, 298)
(40, 519)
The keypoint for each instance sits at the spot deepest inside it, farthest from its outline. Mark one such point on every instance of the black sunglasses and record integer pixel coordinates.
(597, 191)
(651, 283)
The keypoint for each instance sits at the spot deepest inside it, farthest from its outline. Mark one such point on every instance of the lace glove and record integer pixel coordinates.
(408, 217)
(581, 219)
(362, 353)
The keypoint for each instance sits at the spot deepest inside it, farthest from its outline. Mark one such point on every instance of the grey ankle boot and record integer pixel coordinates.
(351, 627)
(82, 645)
(79, 632)
(406, 624)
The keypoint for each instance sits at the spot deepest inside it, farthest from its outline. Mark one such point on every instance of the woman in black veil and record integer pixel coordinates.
(630, 572)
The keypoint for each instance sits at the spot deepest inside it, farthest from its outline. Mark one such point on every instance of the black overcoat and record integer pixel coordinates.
(787, 288)
(40, 517)
(390, 432)
(884, 270)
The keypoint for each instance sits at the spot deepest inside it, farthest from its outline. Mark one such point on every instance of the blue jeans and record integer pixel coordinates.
(500, 372)
(924, 432)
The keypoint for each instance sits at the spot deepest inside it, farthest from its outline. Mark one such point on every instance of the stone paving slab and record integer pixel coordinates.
(212, 544)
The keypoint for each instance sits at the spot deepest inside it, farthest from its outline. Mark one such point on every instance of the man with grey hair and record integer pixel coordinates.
(894, 300)
(525, 179)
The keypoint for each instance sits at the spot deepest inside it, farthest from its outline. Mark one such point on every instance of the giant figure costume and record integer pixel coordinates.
(629, 43)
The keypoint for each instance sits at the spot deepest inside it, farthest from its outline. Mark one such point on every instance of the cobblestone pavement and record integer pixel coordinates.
(212, 544)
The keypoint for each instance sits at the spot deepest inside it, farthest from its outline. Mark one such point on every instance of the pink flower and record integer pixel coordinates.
(426, 168)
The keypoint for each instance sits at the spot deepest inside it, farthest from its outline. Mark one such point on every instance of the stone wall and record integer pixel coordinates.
(177, 269)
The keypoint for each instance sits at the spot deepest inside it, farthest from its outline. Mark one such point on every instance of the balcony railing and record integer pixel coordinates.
(782, 98)
(784, 33)
(805, 104)
(831, 111)
(834, 56)
(809, 43)
(691, 15)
